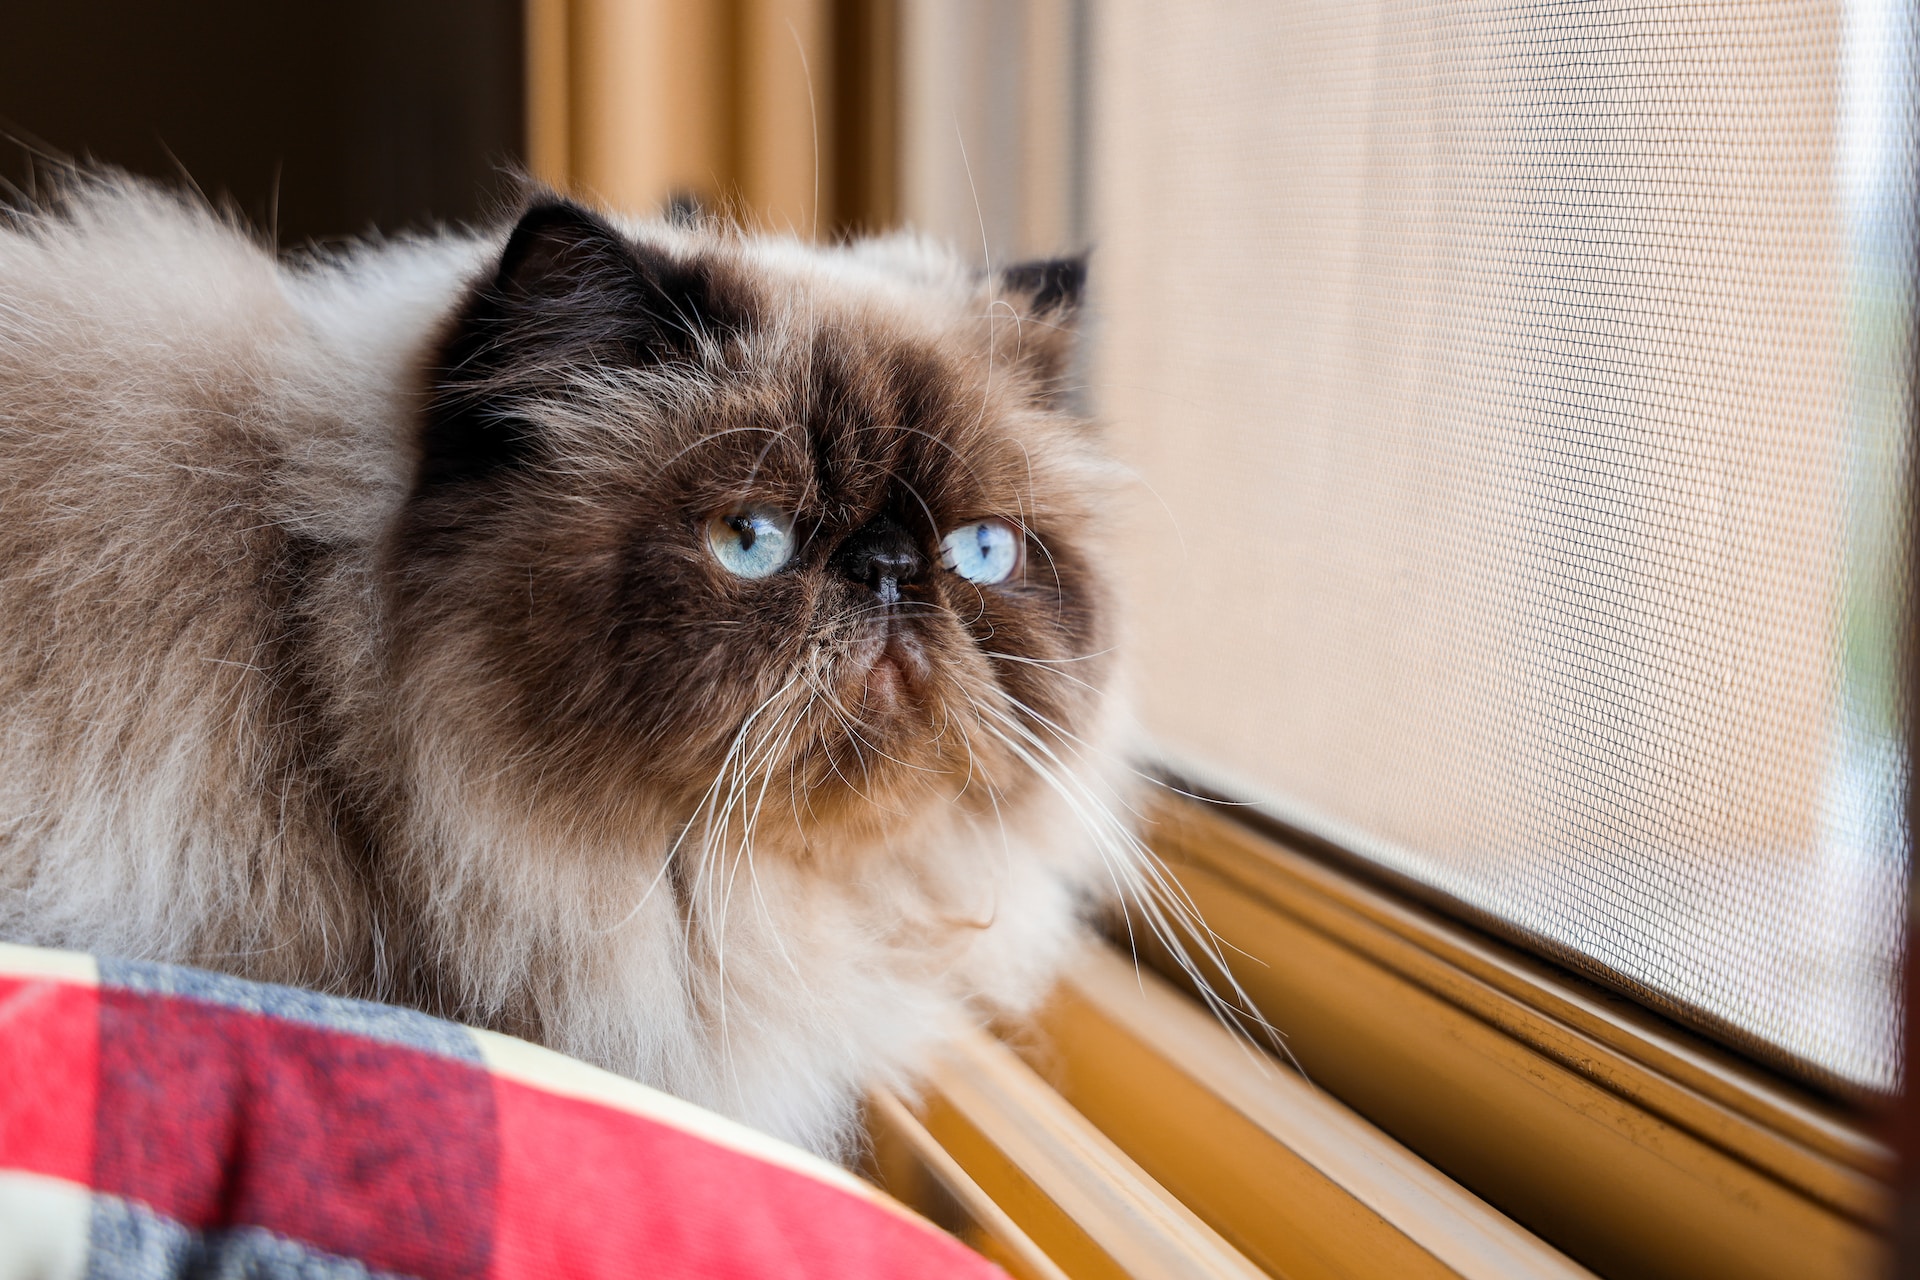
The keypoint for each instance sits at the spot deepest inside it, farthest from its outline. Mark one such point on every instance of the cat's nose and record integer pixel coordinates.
(880, 555)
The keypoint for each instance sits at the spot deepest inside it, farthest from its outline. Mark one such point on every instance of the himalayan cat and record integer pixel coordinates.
(685, 648)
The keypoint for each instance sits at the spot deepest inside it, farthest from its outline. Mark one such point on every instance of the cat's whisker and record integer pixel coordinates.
(1041, 770)
(707, 875)
(1044, 667)
(666, 865)
(904, 605)
(973, 770)
(851, 726)
(1141, 880)
(1050, 662)
(993, 800)
(1118, 761)
(1068, 737)
(850, 723)
(745, 766)
(716, 819)
(932, 606)
(847, 726)
(854, 743)
(753, 873)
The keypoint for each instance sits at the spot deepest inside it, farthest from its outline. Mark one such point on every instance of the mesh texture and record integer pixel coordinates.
(1519, 398)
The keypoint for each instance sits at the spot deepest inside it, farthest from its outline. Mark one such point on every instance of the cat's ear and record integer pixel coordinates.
(1050, 287)
(572, 286)
(560, 253)
(568, 293)
(1046, 295)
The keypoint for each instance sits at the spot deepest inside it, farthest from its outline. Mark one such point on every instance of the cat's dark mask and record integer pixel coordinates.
(696, 512)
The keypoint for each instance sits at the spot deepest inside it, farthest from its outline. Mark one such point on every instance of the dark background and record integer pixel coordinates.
(318, 121)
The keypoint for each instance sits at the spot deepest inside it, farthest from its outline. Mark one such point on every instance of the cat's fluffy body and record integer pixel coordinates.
(294, 687)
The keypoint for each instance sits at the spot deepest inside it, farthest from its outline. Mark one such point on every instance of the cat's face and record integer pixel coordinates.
(752, 534)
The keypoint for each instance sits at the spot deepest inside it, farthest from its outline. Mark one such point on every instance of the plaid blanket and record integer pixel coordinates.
(165, 1122)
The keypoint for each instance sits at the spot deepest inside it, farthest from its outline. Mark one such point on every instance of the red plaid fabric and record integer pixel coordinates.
(162, 1122)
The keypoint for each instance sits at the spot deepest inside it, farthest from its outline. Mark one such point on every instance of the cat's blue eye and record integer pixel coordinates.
(985, 552)
(751, 544)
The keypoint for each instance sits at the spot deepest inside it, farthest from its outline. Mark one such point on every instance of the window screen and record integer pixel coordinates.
(1518, 396)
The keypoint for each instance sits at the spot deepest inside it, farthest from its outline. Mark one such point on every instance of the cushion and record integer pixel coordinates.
(158, 1121)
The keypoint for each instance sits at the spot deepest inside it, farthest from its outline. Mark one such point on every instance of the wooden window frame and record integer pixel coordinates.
(1569, 1118)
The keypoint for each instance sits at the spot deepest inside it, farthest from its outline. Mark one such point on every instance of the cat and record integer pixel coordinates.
(687, 648)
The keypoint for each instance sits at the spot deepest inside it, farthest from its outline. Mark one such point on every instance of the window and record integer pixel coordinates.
(1520, 396)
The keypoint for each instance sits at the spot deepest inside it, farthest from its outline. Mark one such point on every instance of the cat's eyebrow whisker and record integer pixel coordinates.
(993, 281)
(933, 521)
(1037, 322)
(709, 438)
(996, 305)
(1059, 588)
(972, 471)
(1026, 455)
(753, 472)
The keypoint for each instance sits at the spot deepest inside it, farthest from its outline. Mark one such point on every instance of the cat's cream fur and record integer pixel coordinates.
(222, 742)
